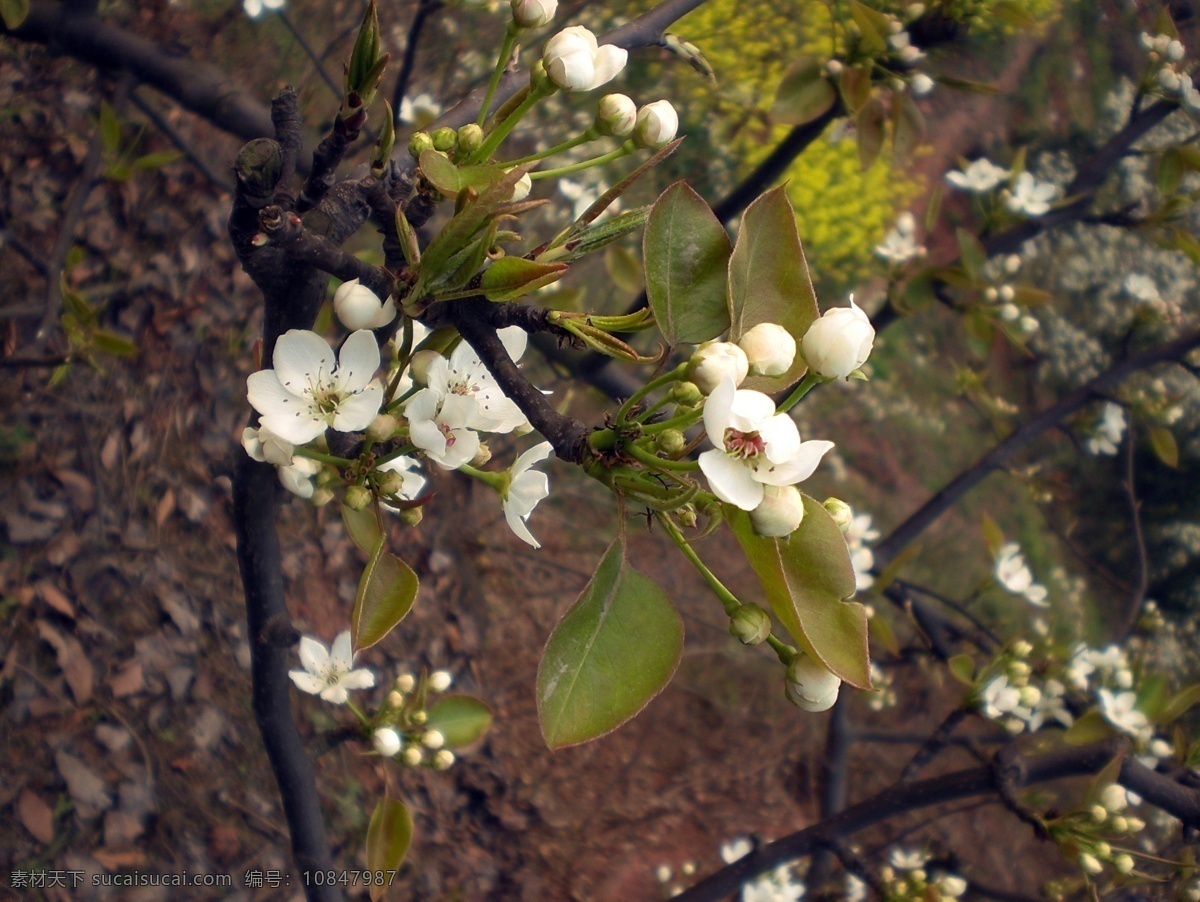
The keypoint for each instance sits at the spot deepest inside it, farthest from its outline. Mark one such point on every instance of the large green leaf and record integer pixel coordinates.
(451, 179)
(686, 253)
(362, 527)
(804, 94)
(805, 577)
(612, 652)
(768, 280)
(461, 719)
(510, 278)
(13, 12)
(386, 592)
(389, 835)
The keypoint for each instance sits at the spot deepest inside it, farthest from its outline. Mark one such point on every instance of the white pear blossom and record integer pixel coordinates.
(298, 477)
(735, 849)
(907, 860)
(902, 43)
(465, 375)
(533, 13)
(580, 195)
(575, 61)
(770, 349)
(921, 84)
(265, 446)
(839, 342)
(1120, 709)
(779, 885)
(526, 488)
(980, 176)
(440, 680)
(440, 425)
(900, 244)
(306, 392)
(1109, 431)
(1142, 288)
(358, 307)
(1014, 575)
(810, 686)
(419, 111)
(713, 362)
(779, 513)
(656, 125)
(255, 8)
(1000, 700)
(330, 674)
(387, 742)
(754, 446)
(1030, 197)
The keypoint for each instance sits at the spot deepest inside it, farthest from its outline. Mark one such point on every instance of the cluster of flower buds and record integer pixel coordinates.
(1174, 75)
(401, 730)
(905, 877)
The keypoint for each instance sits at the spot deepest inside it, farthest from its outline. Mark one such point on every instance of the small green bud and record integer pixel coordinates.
(445, 139)
(686, 394)
(321, 497)
(686, 516)
(672, 442)
(411, 756)
(395, 699)
(470, 137)
(382, 428)
(750, 625)
(405, 682)
(419, 143)
(411, 515)
(419, 717)
(390, 482)
(842, 513)
(357, 497)
(1123, 863)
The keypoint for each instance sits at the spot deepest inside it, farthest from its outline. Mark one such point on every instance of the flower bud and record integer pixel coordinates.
(1123, 863)
(1119, 824)
(835, 67)
(656, 125)
(574, 61)
(358, 307)
(842, 513)
(411, 756)
(391, 482)
(780, 511)
(1018, 671)
(1030, 696)
(1135, 824)
(419, 143)
(951, 885)
(1113, 797)
(321, 497)
(750, 625)
(357, 497)
(445, 139)
(1009, 312)
(405, 682)
(443, 759)
(470, 137)
(839, 342)
(418, 367)
(1103, 849)
(1022, 649)
(672, 442)
(716, 361)
(686, 516)
(395, 699)
(616, 116)
(387, 742)
(533, 13)
(411, 516)
(482, 456)
(419, 717)
(922, 84)
(1098, 813)
(439, 680)
(686, 394)
(810, 686)
(433, 739)
(522, 188)
(770, 349)
(382, 428)
(1174, 51)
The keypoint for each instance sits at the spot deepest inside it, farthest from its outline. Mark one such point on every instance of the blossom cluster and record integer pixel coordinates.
(1014, 575)
(900, 244)
(1024, 195)
(1109, 429)
(906, 876)
(1174, 75)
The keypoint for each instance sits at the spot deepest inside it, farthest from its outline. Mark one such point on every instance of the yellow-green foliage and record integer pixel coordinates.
(842, 212)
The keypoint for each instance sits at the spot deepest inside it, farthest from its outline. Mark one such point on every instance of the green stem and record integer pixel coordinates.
(666, 378)
(401, 362)
(783, 651)
(498, 481)
(728, 600)
(656, 462)
(323, 457)
(497, 135)
(623, 151)
(589, 135)
(362, 718)
(682, 422)
(510, 37)
(398, 452)
(395, 405)
(810, 379)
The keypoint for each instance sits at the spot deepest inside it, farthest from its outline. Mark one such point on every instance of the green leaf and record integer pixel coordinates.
(1186, 242)
(386, 592)
(1014, 14)
(451, 179)
(804, 94)
(112, 343)
(920, 290)
(612, 652)
(1179, 705)
(1091, 727)
(686, 253)
(974, 257)
(510, 278)
(768, 280)
(13, 12)
(962, 668)
(854, 84)
(873, 25)
(1170, 171)
(870, 132)
(362, 527)
(805, 578)
(156, 160)
(110, 128)
(965, 84)
(1162, 440)
(389, 835)
(460, 718)
(993, 535)
(594, 237)
(908, 127)
(624, 268)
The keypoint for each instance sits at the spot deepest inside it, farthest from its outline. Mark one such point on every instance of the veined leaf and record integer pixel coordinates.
(386, 592)
(686, 253)
(870, 132)
(512, 277)
(612, 652)
(805, 578)
(1162, 440)
(461, 719)
(804, 94)
(362, 527)
(389, 835)
(854, 84)
(768, 280)
(451, 179)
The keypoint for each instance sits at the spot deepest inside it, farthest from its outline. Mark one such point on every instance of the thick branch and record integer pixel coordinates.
(902, 535)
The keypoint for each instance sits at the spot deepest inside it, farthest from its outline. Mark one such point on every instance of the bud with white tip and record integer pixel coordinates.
(522, 188)
(715, 361)
(439, 680)
(839, 342)
(411, 756)
(533, 13)
(574, 61)
(358, 307)
(810, 686)
(616, 116)
(842, 513)
(770, 349)
(387, 742)
(780, 511)
(443, 759)
(922, 84)
(433, 739)
(750, 624)
(657, 124)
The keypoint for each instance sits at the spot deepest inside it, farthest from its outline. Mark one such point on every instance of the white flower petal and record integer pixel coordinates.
(301, 359)
(341, 656)
(297, 428)
(731, 480)
(307, 682)
(717, 409)
(798, 468)
(781, 438)
(531, 457)
(356, 412)
(314, 656)
(358, 361)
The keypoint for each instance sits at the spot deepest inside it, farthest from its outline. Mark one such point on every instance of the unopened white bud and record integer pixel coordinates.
(656, 125)
(1174, 51)
(405, 682)
(433, 739)
(616, 116)
(1007, 293)
(411, 756)
(1169, 79)
(382, 428)
(839, 342)
(922, 84)
(1021, 648)
(1114, 798)
(1010, 313)
(770, 349)
(750, 624)
(716, 361)
(440, 680)
(522, 188)
(443, 759)
(842, 513)
(780, 511)
(1028, 324)
(395, 699)
(358, 307)
(533, 13)
(834, 67)
(1089, 864)
(1012, 263)
(482, 456)
(418, 368)
(809, 686)
(386, 741)
(575, 62)
(1123, 863)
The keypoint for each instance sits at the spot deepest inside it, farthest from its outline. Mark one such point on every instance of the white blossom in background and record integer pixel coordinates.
(411, 480)
(839, 342)
(1014, 575)
(330, 674)
(525, 490)
(735, 849)
(1120, 709)
(255, 8)
(358, 307)
(582, 197)
(862, 558)
(907, 860)
(754, 446)
(1050, 706)
(921, 84)
(1109, 431)
(779, 885)
(900, 244)
(419, 111)
(1142, 288)
(306, 392)
(1001, 701)
(1093, 666)
(575, 61)
(1029, 197)
(907, 52)
(387, 742)
(980, 176)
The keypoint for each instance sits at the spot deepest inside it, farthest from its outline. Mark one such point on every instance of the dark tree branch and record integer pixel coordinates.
(425, 8)
(961, 610)
(1137, 592)
(945, 498)
(287, 231)
(933, 745)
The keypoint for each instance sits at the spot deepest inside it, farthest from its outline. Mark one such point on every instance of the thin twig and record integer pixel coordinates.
(1137, 592)
(183, 146)
(425, 8)
(311, 54)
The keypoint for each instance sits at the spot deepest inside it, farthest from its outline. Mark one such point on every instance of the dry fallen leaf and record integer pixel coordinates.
(36, 816)
(166, 506)
(76, 667)
(130, 680)
(114, 860)
(110, 453)
(79, 489)
(54, 597)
